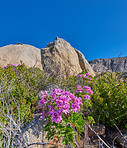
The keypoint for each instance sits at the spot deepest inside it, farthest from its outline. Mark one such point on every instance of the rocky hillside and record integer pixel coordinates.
(111, 64)
(59, 57)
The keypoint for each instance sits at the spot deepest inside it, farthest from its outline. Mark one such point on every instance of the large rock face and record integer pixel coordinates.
(12, 54)
(60, 57)
(111, 64)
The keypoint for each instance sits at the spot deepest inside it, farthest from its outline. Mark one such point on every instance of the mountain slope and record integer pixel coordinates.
(112, 64)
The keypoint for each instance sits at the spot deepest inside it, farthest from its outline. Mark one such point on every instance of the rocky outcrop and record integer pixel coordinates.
(13, 54)
(34, 136)
(60, 57)
(33, 133)
(111, 64)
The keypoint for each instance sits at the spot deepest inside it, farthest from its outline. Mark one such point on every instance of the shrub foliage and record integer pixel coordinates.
(20, 87)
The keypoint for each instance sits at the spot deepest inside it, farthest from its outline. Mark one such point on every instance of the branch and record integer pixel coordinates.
(97, 135)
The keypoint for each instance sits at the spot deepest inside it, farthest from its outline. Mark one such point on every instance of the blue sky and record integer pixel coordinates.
(98, 28)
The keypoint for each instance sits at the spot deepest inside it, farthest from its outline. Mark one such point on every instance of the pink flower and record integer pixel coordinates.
(13, 65)
(62, 102)
(42, 117)
(56, 116)
(79, 89)
(5, 67)
(77, 100)
(66, 111)
(86, 89)
(44, 95)
(80, 75)
(90, 78)
(86, 97)
(75, 107)
(76, 91)
(121, 80)
(87, 74)
(90, 92)
(42, 102)
(86, 77)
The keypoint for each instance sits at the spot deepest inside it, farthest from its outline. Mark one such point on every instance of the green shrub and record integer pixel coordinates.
(20, 86)
(25, 84)
(109, 100)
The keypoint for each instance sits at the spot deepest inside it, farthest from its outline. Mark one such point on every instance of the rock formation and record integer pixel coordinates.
(60, 57)
(12, 54)
(111, 64)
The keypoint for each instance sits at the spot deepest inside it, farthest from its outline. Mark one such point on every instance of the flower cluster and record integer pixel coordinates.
(85, 89)
(86, 76)
(120, 80)
(14, 65)
(60, 103)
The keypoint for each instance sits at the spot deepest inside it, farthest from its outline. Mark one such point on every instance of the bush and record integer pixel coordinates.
(19, 90)
(20, 86)
(109, 100)
(25, 84)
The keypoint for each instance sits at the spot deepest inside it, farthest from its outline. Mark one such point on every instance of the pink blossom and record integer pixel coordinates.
(5, 67)
(44, 95)
(13, 65)
(86, 88)
(121, 80)
(76, 91)
(63, 103)
(80, 75)
(90, 78)
(90, 92)
(87, 74)
(42, 102)
(79, 89)
(57, 116)
(75, 107)
(86, 77)
(86, 97)
(42, 117)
